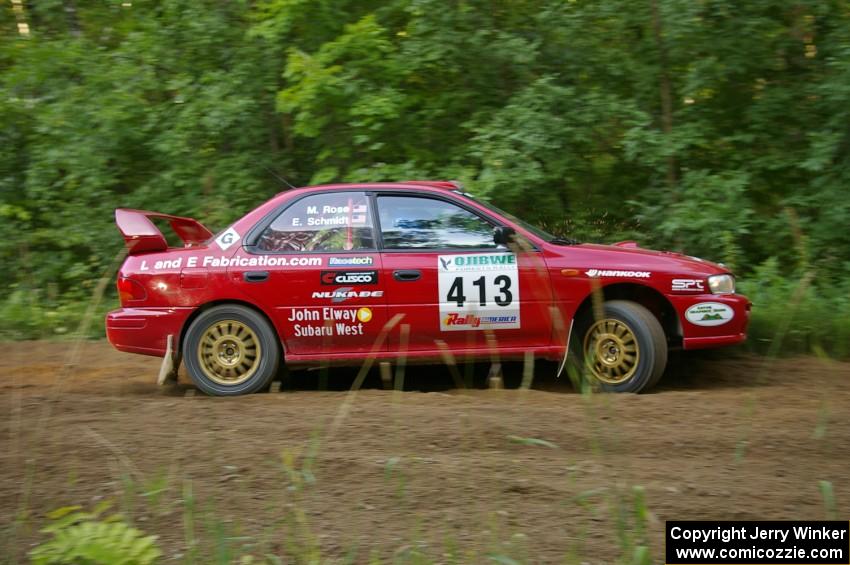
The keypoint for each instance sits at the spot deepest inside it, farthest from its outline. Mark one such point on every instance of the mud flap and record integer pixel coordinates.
(170, 363)
(566, 351)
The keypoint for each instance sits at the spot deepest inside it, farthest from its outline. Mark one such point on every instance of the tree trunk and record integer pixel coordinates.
(666, 92)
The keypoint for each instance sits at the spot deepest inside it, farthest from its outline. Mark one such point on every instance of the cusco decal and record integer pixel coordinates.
(227, 239)
(709, 314)
(349, 277)
(311, 322)
(478, 291)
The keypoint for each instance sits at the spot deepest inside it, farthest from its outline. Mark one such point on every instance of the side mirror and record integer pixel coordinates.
(503, 235)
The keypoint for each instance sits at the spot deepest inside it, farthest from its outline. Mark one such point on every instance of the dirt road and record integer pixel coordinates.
(538, 476)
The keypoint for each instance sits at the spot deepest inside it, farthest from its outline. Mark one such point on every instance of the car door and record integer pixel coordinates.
(315, 266)
(452, 283)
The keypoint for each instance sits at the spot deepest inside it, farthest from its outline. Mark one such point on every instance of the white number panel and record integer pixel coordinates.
(478, 292)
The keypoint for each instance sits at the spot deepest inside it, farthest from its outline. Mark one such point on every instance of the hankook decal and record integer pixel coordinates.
(623, 274)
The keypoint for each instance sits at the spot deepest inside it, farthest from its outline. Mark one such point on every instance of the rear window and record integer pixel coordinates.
(338, 221)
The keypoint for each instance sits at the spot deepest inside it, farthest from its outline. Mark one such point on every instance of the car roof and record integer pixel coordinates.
(448, 185)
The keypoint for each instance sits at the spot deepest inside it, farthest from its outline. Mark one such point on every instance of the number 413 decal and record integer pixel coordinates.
(503, 282)
(478, 291)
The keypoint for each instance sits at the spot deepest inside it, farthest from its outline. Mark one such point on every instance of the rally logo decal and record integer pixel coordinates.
(709, 314)
(478, 291)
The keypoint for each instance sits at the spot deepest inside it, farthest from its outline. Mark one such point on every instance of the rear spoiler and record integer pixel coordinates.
(141, 234)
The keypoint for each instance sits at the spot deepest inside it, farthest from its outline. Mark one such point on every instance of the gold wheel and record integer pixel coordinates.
(611, 351)
(229, 352)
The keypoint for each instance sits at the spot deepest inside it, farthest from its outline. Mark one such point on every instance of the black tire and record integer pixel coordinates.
(261, 350)
(648, 334)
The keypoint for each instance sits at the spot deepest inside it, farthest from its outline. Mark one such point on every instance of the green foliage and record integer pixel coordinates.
(28, 313)
(794, 315)
(82, 538)
(714, 128)
(714, 204)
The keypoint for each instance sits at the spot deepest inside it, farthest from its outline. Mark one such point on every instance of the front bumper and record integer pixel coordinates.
(731, 332)
(145, 330)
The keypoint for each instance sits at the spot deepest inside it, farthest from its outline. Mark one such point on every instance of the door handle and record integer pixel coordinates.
(256, 276)
(407, 276)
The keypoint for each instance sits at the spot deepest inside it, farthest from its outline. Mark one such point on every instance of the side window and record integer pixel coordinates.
(334, 221)
(425, 223)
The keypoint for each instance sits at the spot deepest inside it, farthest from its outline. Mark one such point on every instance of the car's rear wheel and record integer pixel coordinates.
(230, 350)
(625, 350)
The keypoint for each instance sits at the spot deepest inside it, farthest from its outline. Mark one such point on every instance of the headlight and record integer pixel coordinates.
(722, 284)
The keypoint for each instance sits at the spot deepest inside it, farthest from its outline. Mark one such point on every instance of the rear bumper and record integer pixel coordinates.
(144, 330)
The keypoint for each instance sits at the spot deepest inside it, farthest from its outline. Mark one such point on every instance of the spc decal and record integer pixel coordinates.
(687, 285)
(349, 277)
(478, 292)
(329, 321)
(350, 261)
(623, 274)
(709, 314)
(227, 239)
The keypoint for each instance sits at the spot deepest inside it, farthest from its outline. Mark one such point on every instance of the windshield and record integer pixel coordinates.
(539, 232)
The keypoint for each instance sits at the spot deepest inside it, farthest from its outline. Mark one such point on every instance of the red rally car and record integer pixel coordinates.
(345, 272)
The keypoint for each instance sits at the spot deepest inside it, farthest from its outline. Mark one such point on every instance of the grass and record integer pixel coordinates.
(210, 538)
(790, 316)
(798, 315)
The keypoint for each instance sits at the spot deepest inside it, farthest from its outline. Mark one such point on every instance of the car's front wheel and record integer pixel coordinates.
(230, 350)
(625, 350)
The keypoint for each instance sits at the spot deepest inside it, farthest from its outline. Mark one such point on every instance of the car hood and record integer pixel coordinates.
(628, 256)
